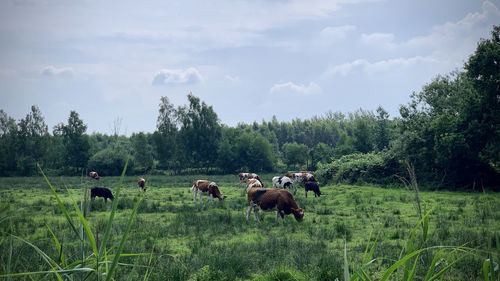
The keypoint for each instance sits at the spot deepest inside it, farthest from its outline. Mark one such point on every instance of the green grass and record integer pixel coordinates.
(213, 241)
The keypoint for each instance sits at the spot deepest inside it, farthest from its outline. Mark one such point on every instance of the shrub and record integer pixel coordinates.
(377, 168)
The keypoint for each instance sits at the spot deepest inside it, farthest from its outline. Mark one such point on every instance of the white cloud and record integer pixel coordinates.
(63, 72)
(177, 76)
(383, 40)
(312, 89)
(332, 34)
(232, 79)
(453, 41)
(365, 66)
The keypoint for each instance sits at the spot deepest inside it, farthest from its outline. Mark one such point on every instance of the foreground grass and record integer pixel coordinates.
(214, 241)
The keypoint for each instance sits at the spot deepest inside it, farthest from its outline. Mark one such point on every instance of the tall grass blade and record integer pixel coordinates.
(45, 257)
(86, 226)
(437, 275)
(61, 205)
(59, 247)
(412, 273)
(113, 211)
(147, 274)
(124, 237)
(399, 263)
(57, 272)
(346, 264)
(409, 247)
(9, 259)
(433, 265)
(486, 270)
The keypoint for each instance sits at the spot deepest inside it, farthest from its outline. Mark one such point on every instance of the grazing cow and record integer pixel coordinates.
(284, 182)
(308, 177)
(142, 184)
(301, 176)
(207, 188)
(269, 199)
(94, 175)
(251, 183)
(246, 176)
(101, 192)
(314, 186)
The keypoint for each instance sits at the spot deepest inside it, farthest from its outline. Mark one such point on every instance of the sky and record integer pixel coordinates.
(112, 61)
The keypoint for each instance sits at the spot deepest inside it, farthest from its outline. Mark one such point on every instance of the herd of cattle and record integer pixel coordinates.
(277, 198)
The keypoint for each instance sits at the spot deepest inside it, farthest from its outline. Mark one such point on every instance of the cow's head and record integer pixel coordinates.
(298, 213)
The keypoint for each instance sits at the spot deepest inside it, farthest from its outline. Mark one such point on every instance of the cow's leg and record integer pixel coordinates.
(249, 209)
(194, 194)
(201, 195)
(211, 198)
(306, 193)
(256, 212)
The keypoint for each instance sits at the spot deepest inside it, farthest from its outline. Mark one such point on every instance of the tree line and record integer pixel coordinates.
(449, 131)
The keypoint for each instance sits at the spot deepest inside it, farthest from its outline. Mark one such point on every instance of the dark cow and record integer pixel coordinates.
(206, 188)
(101, 192)
(269, 199)
(313, 186)
(94, 175)
(142, 184)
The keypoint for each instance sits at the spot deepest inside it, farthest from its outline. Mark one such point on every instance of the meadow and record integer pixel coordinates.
(172, 238)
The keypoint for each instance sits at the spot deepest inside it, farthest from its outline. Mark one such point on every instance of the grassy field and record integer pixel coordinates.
(180, 240)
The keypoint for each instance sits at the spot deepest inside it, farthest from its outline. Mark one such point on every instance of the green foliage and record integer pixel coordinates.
(143, 157)
(214, 241)
(378, 168)
(76, 142)
(295, 154)
(450, 129)
(109, 161)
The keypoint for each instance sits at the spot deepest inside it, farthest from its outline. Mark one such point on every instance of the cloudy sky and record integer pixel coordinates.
(249, 59)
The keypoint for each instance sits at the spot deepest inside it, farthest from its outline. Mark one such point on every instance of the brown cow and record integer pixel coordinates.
(142, 184)
(251, 183)
(207, 188)
(269, 199)
(94, 175)
(246, 176)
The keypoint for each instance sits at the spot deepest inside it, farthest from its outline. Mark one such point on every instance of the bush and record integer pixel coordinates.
(377, 168)
(110, 161)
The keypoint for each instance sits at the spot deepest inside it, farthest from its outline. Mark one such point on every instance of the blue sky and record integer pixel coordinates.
(250, 60)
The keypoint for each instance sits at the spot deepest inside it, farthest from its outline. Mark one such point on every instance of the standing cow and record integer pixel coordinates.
(94, 175)
(101, 192)
(269, 199)
(251, 183)
(206, 188)
(142, 184)
(284, 182)
(246, 176)
(313, 186)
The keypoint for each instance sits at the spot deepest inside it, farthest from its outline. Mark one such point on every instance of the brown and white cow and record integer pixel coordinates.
(251, 183)
(246, 176)
(142, 184)
(206, 188)
(270, 199)
(94, 175)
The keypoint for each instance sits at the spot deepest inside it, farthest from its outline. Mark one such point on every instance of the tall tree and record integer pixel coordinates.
(381, 134)
(200, 132)
(8, 132)
(482, 108)
(32, 141)
(165, 136)
(76, 142)
(143, 158)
